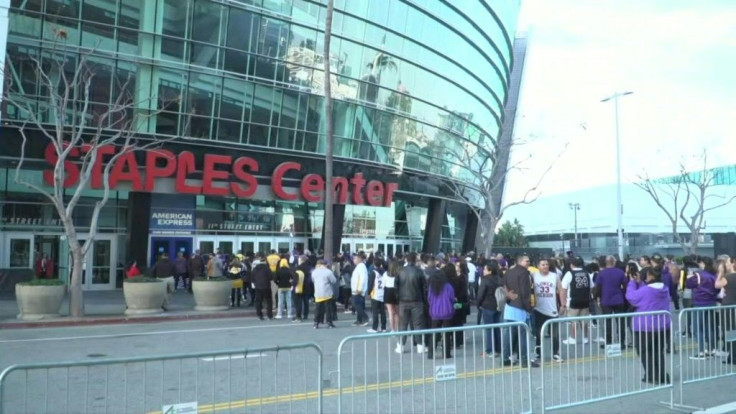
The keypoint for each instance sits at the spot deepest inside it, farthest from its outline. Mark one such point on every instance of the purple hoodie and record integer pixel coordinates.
(647, 298)
(704, 288)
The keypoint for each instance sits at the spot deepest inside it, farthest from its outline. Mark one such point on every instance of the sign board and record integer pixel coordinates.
(445, 373)
(221, 175)
(181, 408)
(613, 350)
(171, 219)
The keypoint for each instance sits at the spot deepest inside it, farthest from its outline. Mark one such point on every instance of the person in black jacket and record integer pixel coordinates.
(488, 306)
(412, 287)
(459, 281)
(302, 288)
(261, 276)
(284, 279)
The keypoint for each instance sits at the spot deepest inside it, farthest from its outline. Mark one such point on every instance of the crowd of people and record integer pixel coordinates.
(422, 291)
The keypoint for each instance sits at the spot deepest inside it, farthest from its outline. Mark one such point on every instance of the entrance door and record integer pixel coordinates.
(101, 263)
(172, 246)
(366, 246)
(49, 246)
(99, 271)
(209, 244)
(282, 245)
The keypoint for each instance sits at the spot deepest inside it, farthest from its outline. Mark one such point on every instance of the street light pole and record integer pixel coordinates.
(620, 205)
(575, 207)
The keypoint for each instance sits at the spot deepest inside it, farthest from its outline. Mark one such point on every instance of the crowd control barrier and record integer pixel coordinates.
(604, 358)
(709, 336)
(274, 379)
(374, 377)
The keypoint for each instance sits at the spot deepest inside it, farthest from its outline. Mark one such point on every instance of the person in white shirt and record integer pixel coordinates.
(472, 279)
(546, 288)
(359, 286)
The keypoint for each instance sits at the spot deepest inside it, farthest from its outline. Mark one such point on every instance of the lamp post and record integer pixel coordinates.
(575, 207)
(620, 224)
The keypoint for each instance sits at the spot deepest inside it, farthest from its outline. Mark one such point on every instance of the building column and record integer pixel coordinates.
(471, 232)
(139, 208)
(338, 220)
(433, 226)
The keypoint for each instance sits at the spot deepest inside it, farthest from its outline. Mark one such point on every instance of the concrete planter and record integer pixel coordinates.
(212, 295)
(144, 298)
(39, 302)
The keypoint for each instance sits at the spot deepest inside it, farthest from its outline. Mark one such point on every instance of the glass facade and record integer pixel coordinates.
(413, 80)
(419, 86)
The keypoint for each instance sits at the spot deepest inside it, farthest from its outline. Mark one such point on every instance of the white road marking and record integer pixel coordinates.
(73, 338)
(231, 357)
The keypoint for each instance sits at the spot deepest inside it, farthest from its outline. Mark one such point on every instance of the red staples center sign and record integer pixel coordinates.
(222, 175)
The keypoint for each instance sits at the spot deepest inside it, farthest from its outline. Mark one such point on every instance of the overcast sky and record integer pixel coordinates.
(677, 56)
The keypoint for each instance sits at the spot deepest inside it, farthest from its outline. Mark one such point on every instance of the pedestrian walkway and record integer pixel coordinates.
(108, 307)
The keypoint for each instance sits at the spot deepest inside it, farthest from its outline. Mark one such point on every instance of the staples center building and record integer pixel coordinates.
(242, 165)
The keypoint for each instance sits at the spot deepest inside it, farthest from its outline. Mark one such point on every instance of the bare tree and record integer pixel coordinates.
(329, 137)
(687, 197)
(488, 169)
(81, 133)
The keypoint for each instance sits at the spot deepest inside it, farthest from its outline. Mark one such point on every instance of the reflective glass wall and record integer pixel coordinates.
(419, 84)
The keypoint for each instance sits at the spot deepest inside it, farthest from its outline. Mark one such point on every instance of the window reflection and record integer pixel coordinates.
(269, 94)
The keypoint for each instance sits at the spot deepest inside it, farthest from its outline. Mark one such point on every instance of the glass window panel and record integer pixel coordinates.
(206, 247)
(206, 32)
(20, 253)
(226, 247)
(62, 8)
(101, 262)
(264, 247)
(130, 13)
(247, 247)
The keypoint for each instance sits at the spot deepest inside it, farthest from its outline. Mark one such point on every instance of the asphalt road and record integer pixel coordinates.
(374, 378)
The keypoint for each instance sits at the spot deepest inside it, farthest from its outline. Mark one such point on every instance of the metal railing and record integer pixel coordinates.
(599, 361)
(275, 379)
(393, 372)
(710, 335)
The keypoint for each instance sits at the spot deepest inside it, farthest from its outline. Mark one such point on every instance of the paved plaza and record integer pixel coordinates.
(374, 377)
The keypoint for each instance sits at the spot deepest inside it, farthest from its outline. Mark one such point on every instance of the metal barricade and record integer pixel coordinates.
(709, 334)
(387, 373)
(272, 379)
(595, 360)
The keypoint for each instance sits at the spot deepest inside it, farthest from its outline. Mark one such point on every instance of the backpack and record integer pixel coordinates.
(500, 295)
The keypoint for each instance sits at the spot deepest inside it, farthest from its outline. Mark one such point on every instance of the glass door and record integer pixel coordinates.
(101, 261)
(282, 245)
(210, 244)
(99, 271)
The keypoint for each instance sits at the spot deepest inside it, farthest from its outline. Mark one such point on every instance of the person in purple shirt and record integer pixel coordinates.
(705, 294)
(610, 287)
(650, 331)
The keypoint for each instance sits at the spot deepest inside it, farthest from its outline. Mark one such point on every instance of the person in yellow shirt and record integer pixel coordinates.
(273, 260)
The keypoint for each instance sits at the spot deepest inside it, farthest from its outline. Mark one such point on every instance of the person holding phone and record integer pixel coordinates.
(648, 293)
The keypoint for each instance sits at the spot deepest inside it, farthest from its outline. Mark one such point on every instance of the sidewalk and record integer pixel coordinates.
(108, 307)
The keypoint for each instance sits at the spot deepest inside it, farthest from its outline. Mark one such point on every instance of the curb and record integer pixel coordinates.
(113, 320)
